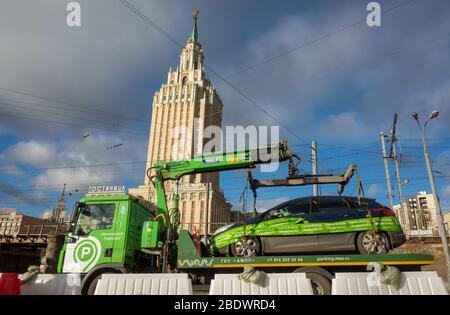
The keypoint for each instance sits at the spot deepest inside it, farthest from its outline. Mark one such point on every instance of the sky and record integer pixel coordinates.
(314, 68)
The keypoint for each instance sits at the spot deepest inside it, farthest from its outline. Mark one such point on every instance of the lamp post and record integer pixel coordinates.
(439, 218)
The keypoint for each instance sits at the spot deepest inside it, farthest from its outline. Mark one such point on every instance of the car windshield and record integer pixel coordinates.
(277, 213)
(94, 217)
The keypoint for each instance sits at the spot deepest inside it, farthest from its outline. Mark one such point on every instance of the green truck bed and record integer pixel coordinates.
(189, 258)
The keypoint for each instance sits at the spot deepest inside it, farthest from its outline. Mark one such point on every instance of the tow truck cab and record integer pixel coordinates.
(105, 236)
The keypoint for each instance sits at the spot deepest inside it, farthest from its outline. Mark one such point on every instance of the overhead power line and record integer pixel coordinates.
(64, 109)
(138, 13)
(121, 117)
(68, 116)
(314, 41)
(92, 165)
(67, 124)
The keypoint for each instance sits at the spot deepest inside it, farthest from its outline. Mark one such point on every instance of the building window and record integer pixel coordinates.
(192, 216)
(202, 205)
(184, 80)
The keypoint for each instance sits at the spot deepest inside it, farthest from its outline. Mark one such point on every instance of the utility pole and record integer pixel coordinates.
(393, 156)
(439, 218)
(314, 166)
(399, 184)
(386, 170)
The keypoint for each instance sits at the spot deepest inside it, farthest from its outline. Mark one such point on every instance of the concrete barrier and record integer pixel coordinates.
(52, 284)
(276, 284)
(412, 283)
(9, 284)
(144, 284)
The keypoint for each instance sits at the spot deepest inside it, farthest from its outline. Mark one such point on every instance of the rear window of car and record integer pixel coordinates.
(332, 204)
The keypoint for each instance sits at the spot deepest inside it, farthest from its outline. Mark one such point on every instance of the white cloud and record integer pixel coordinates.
(32, 152)
(12, 170)
(373, 190)
(60, 163)
(345, 126)
(46, 214)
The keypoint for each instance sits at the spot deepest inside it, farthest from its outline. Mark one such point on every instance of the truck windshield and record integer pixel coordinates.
(94, 217)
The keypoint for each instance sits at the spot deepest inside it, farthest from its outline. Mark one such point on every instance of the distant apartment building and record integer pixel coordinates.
(13, 222)
(447, 222)
(420, 211)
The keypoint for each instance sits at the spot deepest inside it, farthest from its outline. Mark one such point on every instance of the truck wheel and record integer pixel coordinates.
(372, 243)
(321, 285)
(247, 247)
(93, 284)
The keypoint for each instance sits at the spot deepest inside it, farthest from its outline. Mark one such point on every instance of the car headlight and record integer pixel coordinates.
(221, 229)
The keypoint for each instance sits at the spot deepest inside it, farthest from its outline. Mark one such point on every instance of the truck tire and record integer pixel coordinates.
(321, 285)
(93, 283)
(367, 244)
(248, 247)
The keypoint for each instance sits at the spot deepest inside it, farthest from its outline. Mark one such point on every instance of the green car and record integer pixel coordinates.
(313, 224)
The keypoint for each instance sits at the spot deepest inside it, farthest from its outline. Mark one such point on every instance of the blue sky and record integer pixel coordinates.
(314, 65)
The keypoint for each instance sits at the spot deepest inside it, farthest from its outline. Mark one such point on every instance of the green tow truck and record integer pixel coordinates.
(114, 232)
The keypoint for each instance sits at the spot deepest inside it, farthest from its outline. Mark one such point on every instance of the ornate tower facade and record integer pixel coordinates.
(59, 213)
(182, 108)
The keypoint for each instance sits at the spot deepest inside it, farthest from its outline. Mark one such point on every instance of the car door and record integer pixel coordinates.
(331, 212)
(287, 231)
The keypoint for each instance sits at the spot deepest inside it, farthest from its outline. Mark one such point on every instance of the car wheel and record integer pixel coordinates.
(247, 247)
(321, 285)
(372, 243)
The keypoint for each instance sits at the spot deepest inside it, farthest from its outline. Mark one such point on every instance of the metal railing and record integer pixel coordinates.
(42, 230)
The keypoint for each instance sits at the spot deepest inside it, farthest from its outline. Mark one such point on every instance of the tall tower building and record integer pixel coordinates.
(182, 108)
(59, 213)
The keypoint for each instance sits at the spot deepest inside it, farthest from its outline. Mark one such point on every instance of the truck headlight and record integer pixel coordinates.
(70, 240)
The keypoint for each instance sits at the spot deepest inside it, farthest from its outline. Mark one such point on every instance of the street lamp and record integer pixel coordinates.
(439, 218)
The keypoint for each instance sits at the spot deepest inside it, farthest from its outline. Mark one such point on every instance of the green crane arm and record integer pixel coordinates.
(212, 162)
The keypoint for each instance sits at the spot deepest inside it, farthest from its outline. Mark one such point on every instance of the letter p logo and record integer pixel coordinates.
(85, 251)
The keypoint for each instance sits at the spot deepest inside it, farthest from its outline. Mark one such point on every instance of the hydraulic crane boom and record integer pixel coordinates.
(161, 233)
(212, 162)
(302, 180)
